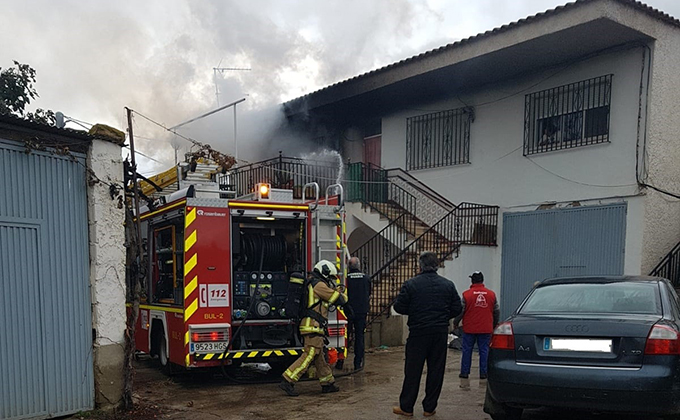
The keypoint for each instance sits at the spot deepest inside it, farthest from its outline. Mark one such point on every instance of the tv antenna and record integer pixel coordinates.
(223, 70)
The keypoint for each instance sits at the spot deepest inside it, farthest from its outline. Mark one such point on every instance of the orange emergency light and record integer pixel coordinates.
(262, 191)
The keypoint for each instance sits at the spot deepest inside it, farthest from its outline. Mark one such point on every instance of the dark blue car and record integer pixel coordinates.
(592, 343)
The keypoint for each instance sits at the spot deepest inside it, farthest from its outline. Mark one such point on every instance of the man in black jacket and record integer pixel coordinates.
(430, 301)
(359, 292)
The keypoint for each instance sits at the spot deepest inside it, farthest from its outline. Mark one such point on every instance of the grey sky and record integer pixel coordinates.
(94, 57)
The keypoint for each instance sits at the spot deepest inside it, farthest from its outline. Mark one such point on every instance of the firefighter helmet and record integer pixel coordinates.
(326, 269)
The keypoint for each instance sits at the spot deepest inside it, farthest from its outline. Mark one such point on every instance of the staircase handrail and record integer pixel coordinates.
(386, 243)
(373, 315)
(421, 187)
(408, 205)
(277, 160)
(431, 205)
(283, 172)
(669, 266)
(380, 233)
(453, 242)
(433, 229)
(411, 208)
(405, 250)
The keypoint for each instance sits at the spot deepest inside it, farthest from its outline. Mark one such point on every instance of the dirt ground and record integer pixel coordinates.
(369, 394)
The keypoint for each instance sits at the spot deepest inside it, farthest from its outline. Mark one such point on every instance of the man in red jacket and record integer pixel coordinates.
(480, 316)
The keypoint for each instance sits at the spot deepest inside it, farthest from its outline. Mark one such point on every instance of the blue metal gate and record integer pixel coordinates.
(561, 242)
(46, 329)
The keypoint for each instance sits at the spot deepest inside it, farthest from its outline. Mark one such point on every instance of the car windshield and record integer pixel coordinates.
(619, 297)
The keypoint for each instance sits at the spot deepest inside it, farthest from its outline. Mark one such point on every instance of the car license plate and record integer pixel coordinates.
(577, 344)
(210, 347)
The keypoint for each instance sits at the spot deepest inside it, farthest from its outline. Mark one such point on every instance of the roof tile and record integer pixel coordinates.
(656, 13)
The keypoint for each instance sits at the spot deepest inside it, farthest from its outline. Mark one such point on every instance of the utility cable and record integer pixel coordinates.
(578, 182)
(473, 168)
(189, 139)
(142, 154)
(662, 191)
(642, 177)
(194, 142)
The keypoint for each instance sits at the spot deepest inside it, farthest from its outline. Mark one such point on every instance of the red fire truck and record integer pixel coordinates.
(216, 264)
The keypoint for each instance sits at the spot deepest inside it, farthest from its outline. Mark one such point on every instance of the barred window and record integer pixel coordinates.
(438, 139)
(567, 116)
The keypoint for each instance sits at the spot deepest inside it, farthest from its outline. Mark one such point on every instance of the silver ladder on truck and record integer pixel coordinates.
(328, 229)
(328, 233)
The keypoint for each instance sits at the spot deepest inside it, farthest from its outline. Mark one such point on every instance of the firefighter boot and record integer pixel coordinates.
(288, 388)
(326, 389)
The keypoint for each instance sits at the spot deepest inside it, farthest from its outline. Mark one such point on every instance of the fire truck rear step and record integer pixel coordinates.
(250, 354)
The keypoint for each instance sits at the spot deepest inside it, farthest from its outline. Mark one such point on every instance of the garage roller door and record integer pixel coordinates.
(565, 242)
(46, 329)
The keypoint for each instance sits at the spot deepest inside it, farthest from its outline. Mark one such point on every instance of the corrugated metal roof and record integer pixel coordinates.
(19, 129)
(67, 132)
(656, 13)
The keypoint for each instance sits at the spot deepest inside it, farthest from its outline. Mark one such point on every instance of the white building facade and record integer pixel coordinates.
(565, 120)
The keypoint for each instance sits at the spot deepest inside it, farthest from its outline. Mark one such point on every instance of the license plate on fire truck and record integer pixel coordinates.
(211, 347)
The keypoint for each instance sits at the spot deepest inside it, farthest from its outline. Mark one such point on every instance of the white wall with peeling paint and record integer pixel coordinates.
(107, 271)
(107, 244)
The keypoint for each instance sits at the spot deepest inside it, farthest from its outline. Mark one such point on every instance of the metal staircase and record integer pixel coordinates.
(420, 219)
(669, 267)
(390, 265)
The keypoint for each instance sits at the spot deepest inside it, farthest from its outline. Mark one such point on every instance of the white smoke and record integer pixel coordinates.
(332, 157)
(94, 58)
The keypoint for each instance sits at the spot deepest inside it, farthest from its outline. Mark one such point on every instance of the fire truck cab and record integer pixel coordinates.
(216, 264)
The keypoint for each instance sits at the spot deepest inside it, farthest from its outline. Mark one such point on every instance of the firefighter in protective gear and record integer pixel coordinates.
(322, 292)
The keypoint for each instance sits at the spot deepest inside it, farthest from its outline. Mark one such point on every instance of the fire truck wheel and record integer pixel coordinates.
(166, 365)
(163, 352)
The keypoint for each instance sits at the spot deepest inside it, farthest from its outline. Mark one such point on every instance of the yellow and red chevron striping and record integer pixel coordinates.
(191, 286)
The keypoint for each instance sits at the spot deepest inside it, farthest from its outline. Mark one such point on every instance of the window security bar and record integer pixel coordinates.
(438, 139)
(568, 116)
